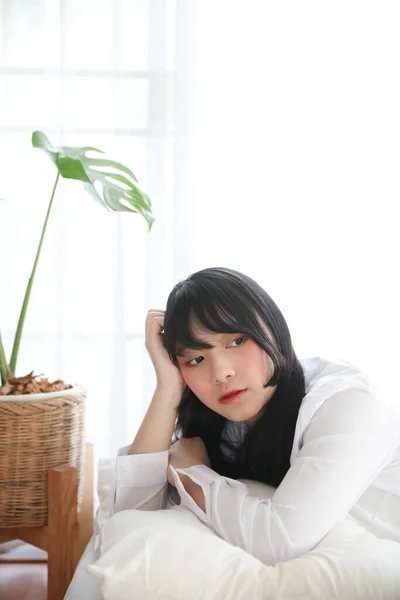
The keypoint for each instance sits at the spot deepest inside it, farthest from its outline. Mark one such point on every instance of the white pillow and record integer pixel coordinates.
(172, 555)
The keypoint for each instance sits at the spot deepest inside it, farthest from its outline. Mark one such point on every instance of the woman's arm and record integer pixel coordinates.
(141, 474)
(141, 477)
(345, 446)
(155, 432)
(140, 482)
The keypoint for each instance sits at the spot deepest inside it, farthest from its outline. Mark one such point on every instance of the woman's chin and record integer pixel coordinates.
(240, 416)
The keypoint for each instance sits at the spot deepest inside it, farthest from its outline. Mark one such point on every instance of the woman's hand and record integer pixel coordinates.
(187, 452)
(168, 375)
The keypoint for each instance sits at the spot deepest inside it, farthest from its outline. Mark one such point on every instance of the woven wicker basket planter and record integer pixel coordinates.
(37, 432)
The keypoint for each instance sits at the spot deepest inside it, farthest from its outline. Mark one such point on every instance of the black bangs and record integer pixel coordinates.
(194, 308)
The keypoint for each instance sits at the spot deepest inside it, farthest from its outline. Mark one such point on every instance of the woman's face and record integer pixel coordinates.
(234, 363)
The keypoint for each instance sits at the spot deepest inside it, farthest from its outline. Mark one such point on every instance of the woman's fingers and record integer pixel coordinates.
(167, 373)
(154, 318)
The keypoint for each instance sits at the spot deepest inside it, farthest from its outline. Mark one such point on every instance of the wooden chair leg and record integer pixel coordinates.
(67, 533)
(63, 530)
(85, 516)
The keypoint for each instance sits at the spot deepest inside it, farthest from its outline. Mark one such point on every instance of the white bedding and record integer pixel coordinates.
(349, 563)
(83, 585)
(172, 555)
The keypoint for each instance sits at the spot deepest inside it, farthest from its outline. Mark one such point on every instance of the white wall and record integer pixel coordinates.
(295, 176)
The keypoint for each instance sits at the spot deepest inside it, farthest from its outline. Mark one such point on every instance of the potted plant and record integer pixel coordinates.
(41, 421)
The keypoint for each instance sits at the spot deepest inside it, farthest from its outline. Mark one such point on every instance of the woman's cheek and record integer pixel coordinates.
(193, 382)
(188, 377)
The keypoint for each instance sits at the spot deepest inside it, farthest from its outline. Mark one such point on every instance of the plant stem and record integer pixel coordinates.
(3, 364)
(21, 321)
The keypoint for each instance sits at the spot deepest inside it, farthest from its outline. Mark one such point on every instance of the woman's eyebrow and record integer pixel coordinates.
(195, 346)
(189, 348)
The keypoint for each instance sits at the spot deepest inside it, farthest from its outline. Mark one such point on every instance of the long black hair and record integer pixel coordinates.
(226, 301)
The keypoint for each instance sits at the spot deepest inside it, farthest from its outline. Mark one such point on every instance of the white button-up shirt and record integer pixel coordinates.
(345, 461)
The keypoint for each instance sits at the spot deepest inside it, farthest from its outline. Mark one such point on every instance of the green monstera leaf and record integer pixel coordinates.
(109, 182)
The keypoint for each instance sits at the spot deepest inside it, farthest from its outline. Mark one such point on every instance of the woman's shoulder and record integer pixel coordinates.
(325, 378)
(335, 383)
(332, 374)
(342, 383)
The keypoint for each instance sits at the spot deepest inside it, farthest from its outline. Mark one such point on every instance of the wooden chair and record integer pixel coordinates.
(68, 531)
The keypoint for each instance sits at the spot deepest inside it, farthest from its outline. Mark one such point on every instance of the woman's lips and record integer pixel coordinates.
(232, 397)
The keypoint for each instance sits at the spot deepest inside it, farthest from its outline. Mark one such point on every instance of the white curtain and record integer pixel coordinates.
(100, 73)
(266, 134)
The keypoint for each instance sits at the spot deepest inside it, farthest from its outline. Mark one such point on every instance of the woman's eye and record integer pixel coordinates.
(195, 361)
(238, 341)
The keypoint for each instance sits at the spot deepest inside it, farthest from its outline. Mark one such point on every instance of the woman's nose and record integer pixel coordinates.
(222, 371)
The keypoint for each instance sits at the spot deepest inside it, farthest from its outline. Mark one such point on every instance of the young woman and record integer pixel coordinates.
(242, 406)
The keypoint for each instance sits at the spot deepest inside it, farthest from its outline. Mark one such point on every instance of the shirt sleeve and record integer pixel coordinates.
(345, 446)
(140, 481)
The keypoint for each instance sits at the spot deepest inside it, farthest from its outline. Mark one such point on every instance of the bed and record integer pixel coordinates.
(141, 555)
(84, 585)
